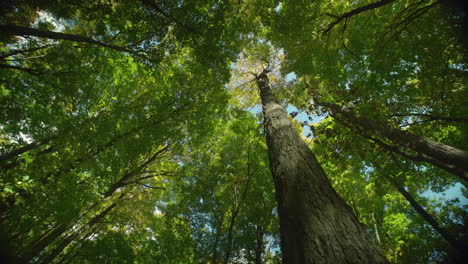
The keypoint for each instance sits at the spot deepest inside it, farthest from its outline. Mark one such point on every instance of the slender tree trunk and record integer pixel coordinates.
(26, 31)
(36, 249)
(430, 219)
(316, 225)
(448, 158)
(376, 229)
(259, 246)
(235, 212)
(66, 241)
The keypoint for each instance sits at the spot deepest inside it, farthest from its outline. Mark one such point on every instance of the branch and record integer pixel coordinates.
(28, 70)
(166, 173)
(355, 12)
(433, 118)
(152, 187)
(15, 52)
(403, 24)
(162, 12)
(26, 31)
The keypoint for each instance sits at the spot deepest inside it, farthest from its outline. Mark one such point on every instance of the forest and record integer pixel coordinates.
(233, 131)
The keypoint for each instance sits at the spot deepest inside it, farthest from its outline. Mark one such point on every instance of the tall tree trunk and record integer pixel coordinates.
(448, 158)
(316, 225)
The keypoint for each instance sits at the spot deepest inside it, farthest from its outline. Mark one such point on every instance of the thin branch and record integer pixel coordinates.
(354, 12)
(28, 70)
(432, 117)
(168, 16)
(403, 24)
(26, 31)
(153, 187)
(23, 51)
(23, 59)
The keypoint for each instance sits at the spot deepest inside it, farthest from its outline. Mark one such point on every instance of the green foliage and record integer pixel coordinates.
(159, 133)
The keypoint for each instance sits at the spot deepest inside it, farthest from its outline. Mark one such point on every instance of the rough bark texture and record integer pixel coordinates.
(448, 158)
(316, 225)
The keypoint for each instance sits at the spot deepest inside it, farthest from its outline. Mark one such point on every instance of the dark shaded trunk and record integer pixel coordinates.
(316, 225)
(66, 241)
(259, 245)
(429, 219)
(443, 156)
(21, 150)
(36, 248)
(26, 31)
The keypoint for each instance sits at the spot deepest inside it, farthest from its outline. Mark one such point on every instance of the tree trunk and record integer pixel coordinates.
(448, 158)
(66, 241)
(376, 229)
(259, 245)
(431, 220)
(235, 212)
(36, 249)
(316, 225)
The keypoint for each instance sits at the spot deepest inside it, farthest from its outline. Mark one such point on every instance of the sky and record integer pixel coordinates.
(451, 193)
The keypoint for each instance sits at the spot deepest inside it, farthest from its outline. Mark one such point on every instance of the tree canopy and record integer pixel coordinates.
(131, 131)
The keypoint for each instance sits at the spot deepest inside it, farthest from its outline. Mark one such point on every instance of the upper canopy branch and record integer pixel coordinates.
(354, 12)
(16, 30)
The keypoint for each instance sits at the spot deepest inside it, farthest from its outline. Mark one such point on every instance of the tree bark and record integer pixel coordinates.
(448, 158)
(316, 225)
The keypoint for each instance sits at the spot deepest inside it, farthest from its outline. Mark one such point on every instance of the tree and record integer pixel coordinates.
(129, 131)
(316, 224)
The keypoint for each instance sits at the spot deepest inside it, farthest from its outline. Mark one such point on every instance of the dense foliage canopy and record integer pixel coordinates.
(130, 131)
